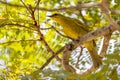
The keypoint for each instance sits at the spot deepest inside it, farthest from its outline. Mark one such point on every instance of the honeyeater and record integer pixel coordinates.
(75, 29)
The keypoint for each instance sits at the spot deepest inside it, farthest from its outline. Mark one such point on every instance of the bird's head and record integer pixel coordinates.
(56, 16)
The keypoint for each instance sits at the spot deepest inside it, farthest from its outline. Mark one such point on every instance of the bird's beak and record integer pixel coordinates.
(49, 15)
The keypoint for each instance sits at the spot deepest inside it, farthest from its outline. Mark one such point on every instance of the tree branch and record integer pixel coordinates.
(105, 9)
(113, 11)
(36, 73)
(61, 33)
(105, 45)
(76, 65)
(26, 7)
(37, 5)
(13, 41)
(78, 7)
(65, 60)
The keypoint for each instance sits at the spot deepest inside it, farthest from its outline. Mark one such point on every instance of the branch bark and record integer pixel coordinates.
(78, 58)
(65, 60)
(105, 45)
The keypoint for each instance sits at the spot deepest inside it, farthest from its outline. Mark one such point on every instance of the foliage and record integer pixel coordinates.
(21, 52)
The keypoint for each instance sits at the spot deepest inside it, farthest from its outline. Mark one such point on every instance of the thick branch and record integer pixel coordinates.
(65, 60)
(113, 11)
(90, 36)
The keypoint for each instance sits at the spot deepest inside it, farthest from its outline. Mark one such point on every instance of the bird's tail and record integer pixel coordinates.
(91, 47)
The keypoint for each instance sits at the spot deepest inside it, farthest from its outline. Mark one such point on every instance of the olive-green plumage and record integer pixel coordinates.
(75, 29)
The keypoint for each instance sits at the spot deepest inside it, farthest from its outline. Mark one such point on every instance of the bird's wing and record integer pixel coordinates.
(81, 25)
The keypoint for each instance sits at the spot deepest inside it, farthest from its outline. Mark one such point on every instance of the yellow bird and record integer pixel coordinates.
(75, 29)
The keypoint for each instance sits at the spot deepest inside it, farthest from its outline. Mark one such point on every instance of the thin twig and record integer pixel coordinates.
(46, 28)
(26, 6)
(78, 58)
(85, 5)
(36, 73)
(19, 25)
(84, 20)
(13, 41)
(51, 58)
(78, 7)
(37, 5)
(61, 33)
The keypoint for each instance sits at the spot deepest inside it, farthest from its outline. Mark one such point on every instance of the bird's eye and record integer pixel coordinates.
(55, 14)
